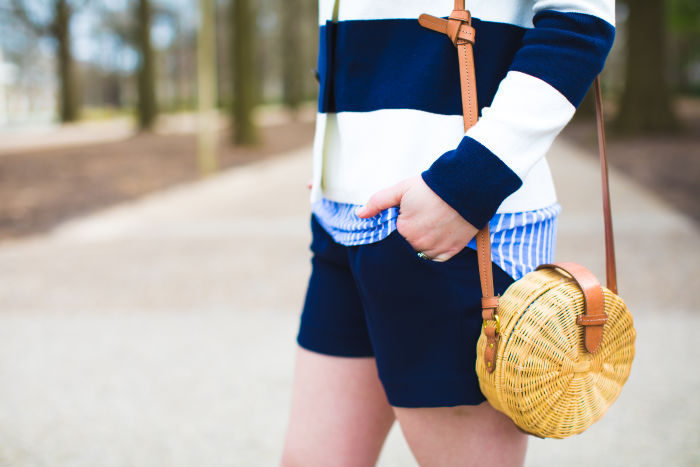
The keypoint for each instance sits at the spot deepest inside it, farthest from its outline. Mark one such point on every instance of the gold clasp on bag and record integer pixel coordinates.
(498, 324)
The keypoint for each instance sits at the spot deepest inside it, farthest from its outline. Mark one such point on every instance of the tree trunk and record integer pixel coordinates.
(646, 102)
(206, 88)
(312, 45)
(68, 103)
(244, 72)
(293, 58)
(147, 108)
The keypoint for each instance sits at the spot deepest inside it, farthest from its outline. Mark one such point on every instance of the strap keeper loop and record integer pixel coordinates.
(596, 320)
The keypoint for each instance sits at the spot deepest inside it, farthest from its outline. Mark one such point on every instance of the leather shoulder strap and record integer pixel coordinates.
(610, 266)
(460, 31)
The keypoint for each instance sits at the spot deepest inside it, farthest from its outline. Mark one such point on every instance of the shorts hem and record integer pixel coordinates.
(450, 396)
(325, 348)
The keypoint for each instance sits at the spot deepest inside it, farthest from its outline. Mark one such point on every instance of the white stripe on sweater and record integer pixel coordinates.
(519, 13)
(512, 131)
(385, 155)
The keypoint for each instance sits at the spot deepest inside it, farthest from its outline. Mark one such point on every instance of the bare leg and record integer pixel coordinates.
(462, 436)
(340, 415)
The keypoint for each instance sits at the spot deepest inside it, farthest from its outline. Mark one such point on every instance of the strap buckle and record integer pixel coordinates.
(498, 324)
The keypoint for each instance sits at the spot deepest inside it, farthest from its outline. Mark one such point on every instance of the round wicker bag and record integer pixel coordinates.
(545, 379)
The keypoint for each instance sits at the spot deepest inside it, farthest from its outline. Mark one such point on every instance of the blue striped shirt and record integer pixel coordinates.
(520, 241)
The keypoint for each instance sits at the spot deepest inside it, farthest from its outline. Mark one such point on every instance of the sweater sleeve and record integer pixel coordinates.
(555, 65)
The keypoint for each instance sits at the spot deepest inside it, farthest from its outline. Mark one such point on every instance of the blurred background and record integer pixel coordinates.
(154, 156)
(138, 76)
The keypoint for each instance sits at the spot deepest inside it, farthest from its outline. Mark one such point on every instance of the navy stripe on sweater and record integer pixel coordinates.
(394, 76)
(566, 50)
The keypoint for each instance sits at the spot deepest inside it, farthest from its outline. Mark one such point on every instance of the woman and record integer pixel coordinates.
(392, 312)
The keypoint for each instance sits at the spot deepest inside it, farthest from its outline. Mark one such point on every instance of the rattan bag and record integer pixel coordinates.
(557, 347)
(543, 377)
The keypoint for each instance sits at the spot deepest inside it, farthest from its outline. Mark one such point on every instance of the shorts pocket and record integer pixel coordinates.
(462, 257)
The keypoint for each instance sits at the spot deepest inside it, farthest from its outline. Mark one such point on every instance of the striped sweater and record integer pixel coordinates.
(390, 108)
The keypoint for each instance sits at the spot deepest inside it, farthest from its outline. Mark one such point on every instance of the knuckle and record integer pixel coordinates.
(401, 225)
(406, 230)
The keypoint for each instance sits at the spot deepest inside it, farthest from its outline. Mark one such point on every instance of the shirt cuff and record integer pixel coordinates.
(472, 180)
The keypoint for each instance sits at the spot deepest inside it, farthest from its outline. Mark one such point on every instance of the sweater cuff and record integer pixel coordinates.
(472, 180)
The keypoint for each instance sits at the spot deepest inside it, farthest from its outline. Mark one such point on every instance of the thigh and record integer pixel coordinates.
(339, 412)
(462, 436)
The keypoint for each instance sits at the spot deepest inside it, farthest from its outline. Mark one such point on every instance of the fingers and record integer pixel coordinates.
(382, 200)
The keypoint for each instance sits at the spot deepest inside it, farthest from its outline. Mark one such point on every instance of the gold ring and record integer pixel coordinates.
(422, 255)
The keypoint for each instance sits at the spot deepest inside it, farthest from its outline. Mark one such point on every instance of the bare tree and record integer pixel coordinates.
(147, 108)
(57, 27)
(292, 59)
(133, 27)
(646, 101)
(312, 46)
(206, 87)
(245, 91)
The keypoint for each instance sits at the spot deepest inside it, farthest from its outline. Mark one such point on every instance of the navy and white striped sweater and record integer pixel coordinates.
(390, 106)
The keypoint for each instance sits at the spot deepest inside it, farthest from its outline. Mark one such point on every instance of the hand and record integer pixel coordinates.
(427, 222)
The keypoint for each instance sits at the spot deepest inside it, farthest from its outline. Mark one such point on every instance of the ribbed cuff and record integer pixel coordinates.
(472, 180)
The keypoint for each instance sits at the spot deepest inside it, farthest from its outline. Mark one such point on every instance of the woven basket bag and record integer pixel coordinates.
(557, 347)
(544, 377)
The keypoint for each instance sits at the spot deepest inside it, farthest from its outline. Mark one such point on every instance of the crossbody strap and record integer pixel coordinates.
(460, 31)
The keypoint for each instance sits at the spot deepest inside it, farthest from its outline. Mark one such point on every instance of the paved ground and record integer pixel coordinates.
(53, 135)
(161, 332)
(54, 173)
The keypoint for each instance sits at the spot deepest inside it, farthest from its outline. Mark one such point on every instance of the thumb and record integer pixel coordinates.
(382, 200)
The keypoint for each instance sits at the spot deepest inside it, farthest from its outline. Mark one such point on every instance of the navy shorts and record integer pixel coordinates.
(420, 319)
